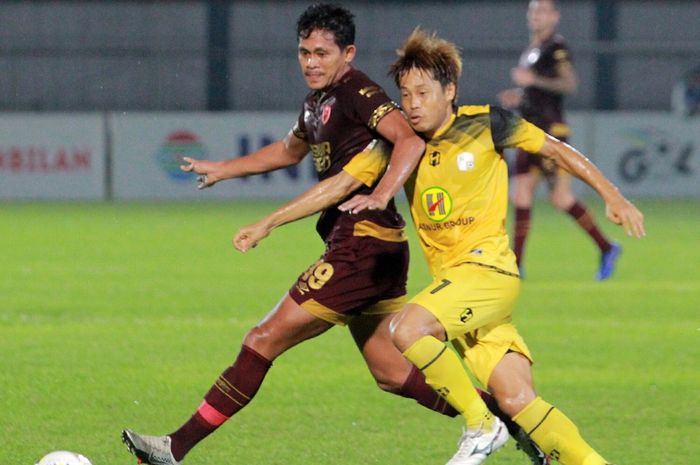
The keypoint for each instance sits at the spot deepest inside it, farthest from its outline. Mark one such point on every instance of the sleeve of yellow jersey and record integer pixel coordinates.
(369, 165)
(511, 131)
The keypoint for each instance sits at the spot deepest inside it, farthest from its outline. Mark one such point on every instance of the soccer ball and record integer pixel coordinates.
(62, 457)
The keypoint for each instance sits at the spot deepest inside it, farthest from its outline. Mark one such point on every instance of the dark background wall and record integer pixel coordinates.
(241, 55)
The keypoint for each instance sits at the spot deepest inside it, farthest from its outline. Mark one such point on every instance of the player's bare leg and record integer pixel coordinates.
(523, 196)
(284, 327)
(561, 195)
(511, 383)
(389, 367)
(562, 198)
(557, 436)
(397, 375)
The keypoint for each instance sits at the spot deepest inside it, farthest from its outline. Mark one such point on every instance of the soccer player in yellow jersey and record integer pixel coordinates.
(349, 125)
(458, 197)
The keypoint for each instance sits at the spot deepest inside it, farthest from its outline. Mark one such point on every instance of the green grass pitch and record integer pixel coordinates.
(122, 315)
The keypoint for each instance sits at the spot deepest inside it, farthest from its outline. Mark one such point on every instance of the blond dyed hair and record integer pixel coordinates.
(428, 52)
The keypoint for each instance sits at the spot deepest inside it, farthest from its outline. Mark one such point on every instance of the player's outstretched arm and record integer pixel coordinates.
(619, 210)
(280, 154)
(321, 196)
(407, 152)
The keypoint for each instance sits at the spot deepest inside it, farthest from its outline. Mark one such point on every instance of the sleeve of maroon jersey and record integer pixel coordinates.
(299, 128)
(369, 102)
(561, 53)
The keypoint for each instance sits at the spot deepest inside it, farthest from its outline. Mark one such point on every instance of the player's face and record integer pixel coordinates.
(542, 16)
(427, 105)
(322, 61)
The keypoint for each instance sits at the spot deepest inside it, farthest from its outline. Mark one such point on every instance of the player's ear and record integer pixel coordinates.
(350, 52)
(451, 91)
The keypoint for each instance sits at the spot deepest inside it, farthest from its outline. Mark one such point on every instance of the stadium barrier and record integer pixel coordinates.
(52, 156)
(129, 156)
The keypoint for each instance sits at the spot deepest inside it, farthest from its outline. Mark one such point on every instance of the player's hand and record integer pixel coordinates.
(363, 202)
(204, 168)
(522, 77)
(621, 211)
(249, 236)
(510, 98)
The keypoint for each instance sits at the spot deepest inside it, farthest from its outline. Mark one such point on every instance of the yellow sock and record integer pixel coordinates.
(556, 434)
(445, 374)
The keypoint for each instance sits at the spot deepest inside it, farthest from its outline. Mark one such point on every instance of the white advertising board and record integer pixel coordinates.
(52, 156)
(64, 156)
(649, 154)
(148, 150)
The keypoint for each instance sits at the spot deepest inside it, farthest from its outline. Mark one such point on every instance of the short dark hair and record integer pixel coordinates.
(327, 17)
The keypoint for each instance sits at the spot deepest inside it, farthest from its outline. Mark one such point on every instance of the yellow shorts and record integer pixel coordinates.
(474, 305)
(483, 350)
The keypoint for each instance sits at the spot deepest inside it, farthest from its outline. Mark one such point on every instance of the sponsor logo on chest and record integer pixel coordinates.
(465, 161)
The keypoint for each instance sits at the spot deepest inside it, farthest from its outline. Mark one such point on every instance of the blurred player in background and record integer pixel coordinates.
(360, 280)
(685, 96)
(459, 198)
(544, 76)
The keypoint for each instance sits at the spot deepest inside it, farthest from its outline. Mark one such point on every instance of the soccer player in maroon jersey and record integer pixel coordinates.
(360, 280)
(543, 76)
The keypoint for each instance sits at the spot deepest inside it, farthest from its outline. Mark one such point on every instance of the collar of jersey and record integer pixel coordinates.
(443, 129)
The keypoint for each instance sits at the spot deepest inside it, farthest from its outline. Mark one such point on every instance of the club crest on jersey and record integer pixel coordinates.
(434, 159)
(437, 203)
(326, 113)
(465, 161)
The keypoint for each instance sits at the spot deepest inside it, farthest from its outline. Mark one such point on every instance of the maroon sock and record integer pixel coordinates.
(491, 403)
(415, 388)
(234, 389)
(580, 213)
(522, 227)
(194, 430)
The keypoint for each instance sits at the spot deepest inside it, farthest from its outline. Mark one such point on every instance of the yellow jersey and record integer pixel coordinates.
(459, 192)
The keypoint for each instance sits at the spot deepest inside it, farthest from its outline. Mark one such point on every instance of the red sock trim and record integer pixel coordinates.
(211, 415)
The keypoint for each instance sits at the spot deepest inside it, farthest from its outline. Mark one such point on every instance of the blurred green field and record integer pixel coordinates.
(122, 315)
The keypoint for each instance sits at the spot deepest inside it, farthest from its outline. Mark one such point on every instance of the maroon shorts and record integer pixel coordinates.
(356, 275)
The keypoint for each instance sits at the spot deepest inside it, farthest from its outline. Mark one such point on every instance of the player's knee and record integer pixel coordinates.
(259, 339)
(389, 382)
(561, 201)
(512, 403)
(522, 200)
(404, 335)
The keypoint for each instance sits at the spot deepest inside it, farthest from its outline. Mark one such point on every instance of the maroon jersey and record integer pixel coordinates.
(541, 107)
(338, 123)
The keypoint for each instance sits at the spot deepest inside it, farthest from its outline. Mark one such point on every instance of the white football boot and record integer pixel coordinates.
(475, 445)
(153, 450)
